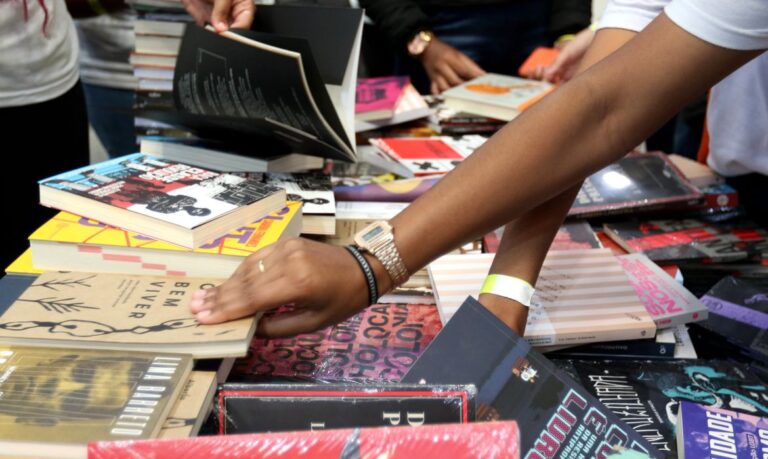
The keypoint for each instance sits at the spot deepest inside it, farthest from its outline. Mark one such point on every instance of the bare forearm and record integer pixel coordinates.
(595, 119)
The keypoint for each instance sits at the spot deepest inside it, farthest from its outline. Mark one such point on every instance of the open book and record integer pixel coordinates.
(287, 89)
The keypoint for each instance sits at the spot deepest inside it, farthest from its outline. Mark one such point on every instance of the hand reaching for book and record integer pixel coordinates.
(322, 281)
(447, 67)
(567, 62)
(222, 14)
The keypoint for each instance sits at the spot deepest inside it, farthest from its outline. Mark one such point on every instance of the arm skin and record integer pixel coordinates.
(586, 124)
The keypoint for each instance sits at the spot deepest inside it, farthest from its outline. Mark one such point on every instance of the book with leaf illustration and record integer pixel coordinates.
(119, 312)
(288, 88)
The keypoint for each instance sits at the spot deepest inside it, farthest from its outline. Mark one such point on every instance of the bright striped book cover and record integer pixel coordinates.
(582, 296)
(69, 242)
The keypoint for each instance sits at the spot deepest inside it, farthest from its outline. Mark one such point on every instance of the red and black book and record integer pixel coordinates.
(289, 407)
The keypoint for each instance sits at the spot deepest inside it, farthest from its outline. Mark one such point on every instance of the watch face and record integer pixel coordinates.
(367, 237)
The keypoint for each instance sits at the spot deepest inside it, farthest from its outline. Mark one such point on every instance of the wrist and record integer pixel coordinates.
(383, 279)
(418, 45)
(512, 313)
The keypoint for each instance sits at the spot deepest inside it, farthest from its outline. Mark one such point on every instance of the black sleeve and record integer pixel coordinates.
(569, 16)
(398, 20)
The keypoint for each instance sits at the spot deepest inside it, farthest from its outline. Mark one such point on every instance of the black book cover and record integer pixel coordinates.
(253, 408)
(638, 181)
(738, 311)
(646, 395)
(558, 418)
(629, 349)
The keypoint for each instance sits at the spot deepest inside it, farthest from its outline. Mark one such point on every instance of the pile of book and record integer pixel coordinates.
(647, 331)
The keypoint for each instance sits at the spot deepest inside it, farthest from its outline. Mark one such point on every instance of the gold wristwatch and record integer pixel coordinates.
(379, 240)
(419, 43)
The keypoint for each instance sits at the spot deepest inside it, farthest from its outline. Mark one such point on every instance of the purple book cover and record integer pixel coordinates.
(706, 432)
(406, 190)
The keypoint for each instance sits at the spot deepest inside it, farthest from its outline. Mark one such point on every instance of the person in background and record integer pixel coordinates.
(519, 177)
(41, 99)
(442, 43)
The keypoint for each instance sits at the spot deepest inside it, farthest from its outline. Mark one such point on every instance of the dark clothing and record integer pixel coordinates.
(753, 195)
(399, 20)
(52, 137)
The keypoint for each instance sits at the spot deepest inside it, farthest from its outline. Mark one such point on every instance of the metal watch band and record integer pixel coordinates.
(370, 278)
(389, 257)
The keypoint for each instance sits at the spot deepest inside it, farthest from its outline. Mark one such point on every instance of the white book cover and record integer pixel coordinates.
(582, 296)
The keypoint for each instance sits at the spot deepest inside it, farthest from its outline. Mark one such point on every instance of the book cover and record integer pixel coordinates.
(709, 432)
(573, 235)
(405, 190)
(516, 382)
(290, 407)
(119, 312)
(376, 98)
(429, 156)
(540, 57)
(68, 242)
(690, 240)
(489, 440)
(738, 311)
(378, 344)
(312, 189)
(166, 200)
(646, 394)
(668, 302)
(23, 265)
(496, 96)
(11, 287)
(192, 408)
(636, 182)
(76, 396)
(660, 347)
(410, 106)
(582, 296)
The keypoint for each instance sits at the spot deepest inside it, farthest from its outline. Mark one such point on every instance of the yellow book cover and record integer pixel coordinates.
(73, 243)
(23, 265)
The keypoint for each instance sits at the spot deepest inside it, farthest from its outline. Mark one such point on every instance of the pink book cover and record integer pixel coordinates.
(379, 94)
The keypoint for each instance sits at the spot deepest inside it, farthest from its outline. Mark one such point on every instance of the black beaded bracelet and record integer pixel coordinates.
(373, 291)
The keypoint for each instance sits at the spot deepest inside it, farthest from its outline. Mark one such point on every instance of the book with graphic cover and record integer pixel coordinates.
(119, 312)
(290, 407)
(68, 242)
(516, 382)
(304, 103)
(710, 432)
(313, 190)
(690, 240)
(582, 296)
(75, 396)
(378, 344)
(411, 106)
(405, 190)
(192, 408)
(738, 311)
(170, 201)
(429, 156)
(668, 302)
(496, 96)
(636, 182)
(376, 98)
(646, 394)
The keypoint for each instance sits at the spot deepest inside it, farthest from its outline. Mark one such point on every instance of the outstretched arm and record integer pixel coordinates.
(583, 126)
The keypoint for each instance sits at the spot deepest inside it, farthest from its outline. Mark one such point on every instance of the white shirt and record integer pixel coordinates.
(106, 43)
(37, 62)
(737, 115)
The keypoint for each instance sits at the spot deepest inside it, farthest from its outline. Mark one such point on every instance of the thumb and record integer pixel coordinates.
(220, 15)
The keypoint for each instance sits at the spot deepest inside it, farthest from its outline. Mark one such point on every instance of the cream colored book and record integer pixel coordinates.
(192, 407)
(582, 296)
(120, 312)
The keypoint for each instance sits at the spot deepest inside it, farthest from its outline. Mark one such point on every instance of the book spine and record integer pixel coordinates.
(642, 349)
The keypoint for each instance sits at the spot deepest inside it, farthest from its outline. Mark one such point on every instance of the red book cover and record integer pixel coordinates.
(428, 156)
(489, 440)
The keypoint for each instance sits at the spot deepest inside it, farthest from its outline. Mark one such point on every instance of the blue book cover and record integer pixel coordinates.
(706, 432)
(557, 417)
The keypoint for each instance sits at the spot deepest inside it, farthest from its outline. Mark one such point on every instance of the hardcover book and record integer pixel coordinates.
(636, 182)
(489, 440)
(707, 431)
(68, 242)
(582, 296)
(516, 382)
(668, 302)
(75, 396)
(305, 102)
(119, 312)
(174, 202)
(690, 240)
(290, 407)
(738, 311)
(378, 344)
(496, 96)
(646, 395)
(429, 156)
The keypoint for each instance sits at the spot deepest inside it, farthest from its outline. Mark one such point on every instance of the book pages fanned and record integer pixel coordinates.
(582, 296)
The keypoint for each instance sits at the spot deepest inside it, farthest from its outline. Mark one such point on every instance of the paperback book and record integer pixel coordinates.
(170, 201)
(119, 312)
(429, 156)
(496, 96)
(408, 106)
(313, 191)
(706, 431)
(516, 382)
